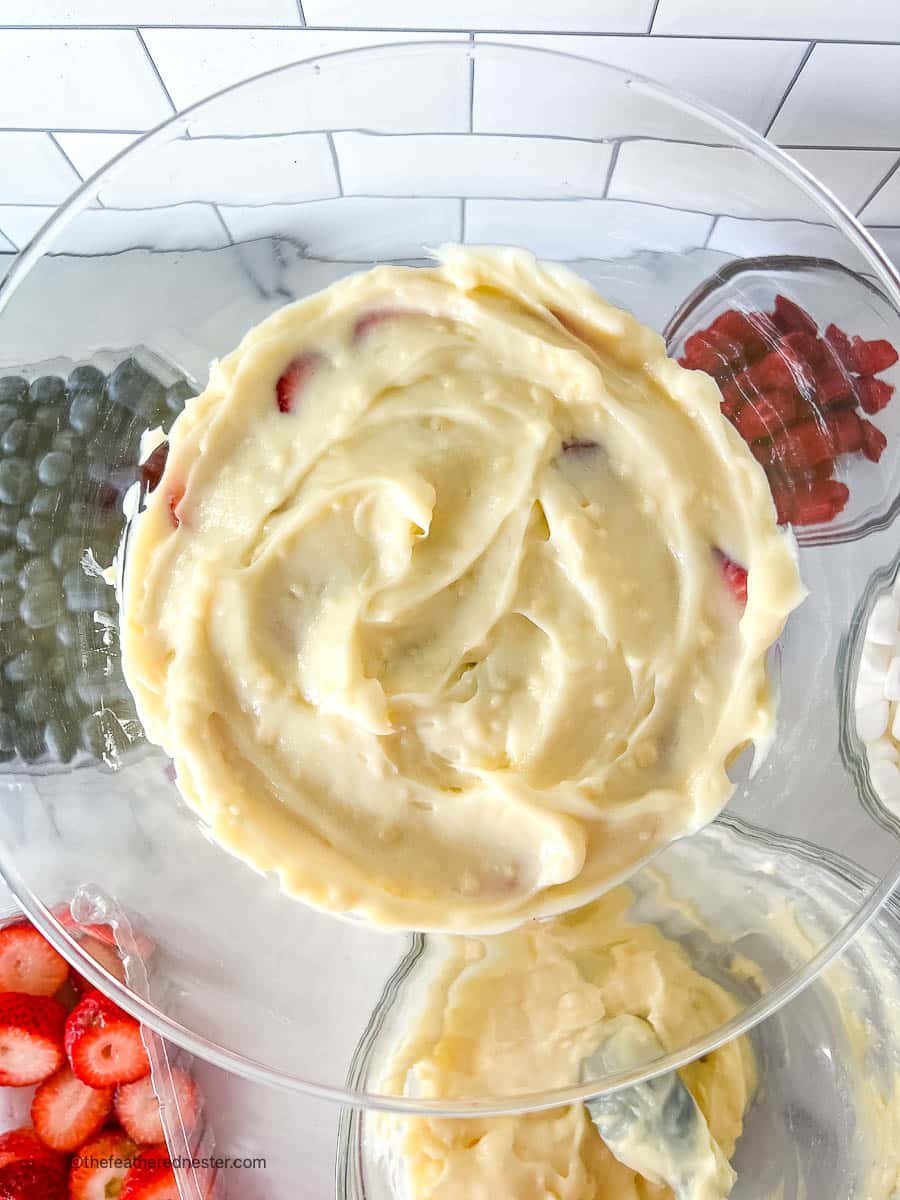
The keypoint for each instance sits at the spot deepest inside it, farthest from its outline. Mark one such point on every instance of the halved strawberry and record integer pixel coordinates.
(103, 1043)
(24, 1145)
(735, 577)
(31, 1038)
(138, 1109)
(34, 1180)
(790, 317)
(28, 963)
(66, 1112)
(294, 377)
(151, 1177)
(99, 1167)
(106, 956)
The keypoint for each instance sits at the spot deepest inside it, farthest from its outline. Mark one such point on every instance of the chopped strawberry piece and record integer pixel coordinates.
(713, 352)
(801, 446)
(874, 394)
(810, 349)
(99, 1167)
(175, 498)
(767, 413)
(294, 378)
(846, 429)
(819, 502)
(753, 330)
(138, 1109)
(790, 317)
(840, 344)
(779, 369)
(151, 1177)
(32, 1181)
(103, 1043)
(873, 441)
(66, 1112)
(732, 400)
(872, 357)
(380, 316)
(28, 963)
(153, 466)
(735, 577)
(24, 1145)
(31, 1038)
(834, 386)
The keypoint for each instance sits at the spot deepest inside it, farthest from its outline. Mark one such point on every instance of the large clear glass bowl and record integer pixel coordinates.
(265, 193)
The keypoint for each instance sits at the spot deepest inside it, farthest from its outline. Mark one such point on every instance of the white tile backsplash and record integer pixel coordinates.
(149, 12)
(877, 20)
(733, 75)
(88, 152)
(750, 238)
(471, 165)
(853, 175)
(890, 243)
(845, 96)
(884, 209)
(613, 16)
(78, 79)
(34, 170)
(109, 231)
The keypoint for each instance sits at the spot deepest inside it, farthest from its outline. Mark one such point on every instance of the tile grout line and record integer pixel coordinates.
(471, 86)
(653, 17)
(301, 14)
(613, 159)
(887, 178)
(155, 68)
(712, 230)
(803, 61)
(55, 141)
(335, 162)
(221, 221)
(462, 220)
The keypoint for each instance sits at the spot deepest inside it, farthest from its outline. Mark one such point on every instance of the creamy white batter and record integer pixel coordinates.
(429, 607)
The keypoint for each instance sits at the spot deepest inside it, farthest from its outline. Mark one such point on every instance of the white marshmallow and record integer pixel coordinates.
(872, 720)
(874, 662)
(892, 679)
(884, 621)
(885, 778)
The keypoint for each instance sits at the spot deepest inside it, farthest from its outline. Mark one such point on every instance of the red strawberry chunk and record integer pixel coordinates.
(66, 1112)
(870, 358)
(713, 352)
(846, 429)
(28, 963)
(31, 1037)
(24, 1145)
(834, 386)
(735, 577)
(779, 369)
(138, 1109)
(874, 394)
(153, 466)
(790, 317)
(99, 1166)
(818, 502)
(840, 344)
(753, 330)
(809, 349)
(767, 413)
(32, 1181)
(103, 1043)
(801, 446)
(176, 495)
(380, 316)
(873, 441)
(151, 1177)
(295, 377)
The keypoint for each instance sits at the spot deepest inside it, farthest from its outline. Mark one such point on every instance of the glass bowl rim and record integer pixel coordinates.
(252, 1069)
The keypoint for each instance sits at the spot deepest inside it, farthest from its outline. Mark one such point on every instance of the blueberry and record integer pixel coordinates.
(54, 468)
(61, 740)
(8, 414)
(33, 534)
(47, 502)
(42, 605)
(15, 437)
(84, 413)
(86, 378)
(67, 442)
(26, 665)
(45, 424)
(29, 743)
(67, 633)
(35, 570)
(177, 394)
(131, 387)
(48, 390)
(13, 388)
(16, 481)
(33, 706)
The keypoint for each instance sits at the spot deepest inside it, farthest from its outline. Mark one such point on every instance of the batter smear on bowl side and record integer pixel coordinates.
(453, 599)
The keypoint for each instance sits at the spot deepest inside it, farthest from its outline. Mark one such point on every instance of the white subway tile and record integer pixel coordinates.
(352, 228)
(872, 19)
(108, 231)
(34, 171)
(730, 181)
(851, 174)
(575, 229)
(149, 12)
(844, 96)
(471, 165)
(884, 207)
(746, 239)
(8, 250)
(431, 93)
(264, 170)
(91, 151)
(587, 16)
(549, 96)
(78, 79)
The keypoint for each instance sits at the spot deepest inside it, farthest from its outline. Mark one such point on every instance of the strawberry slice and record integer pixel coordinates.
(818, 502)
(846, 429)
(99, 1167)
(790, 317)
(28, 963)
(735, 577)
(137, 1107)
(873, 441)
(151, 1177)
(107, 958)
(754, 330)
(840, 345)
(807, 347)
(24, 1145)
(870, 358)
(379, 316)
(874, 394)
(32, 1181)
(768, 413)
(294, 378)
(103, 1043)
(31, 1038)
(713, 352)
(66, 1112)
